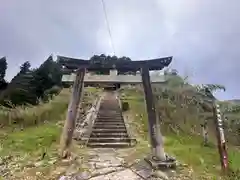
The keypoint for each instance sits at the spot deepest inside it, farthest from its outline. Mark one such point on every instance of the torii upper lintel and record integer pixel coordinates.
(152, 64)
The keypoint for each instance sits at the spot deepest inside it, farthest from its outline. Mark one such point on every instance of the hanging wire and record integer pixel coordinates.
(108, 26)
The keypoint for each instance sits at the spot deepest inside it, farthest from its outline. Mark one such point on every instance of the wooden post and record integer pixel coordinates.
(153, 123)
(69, 125)
(220, 137)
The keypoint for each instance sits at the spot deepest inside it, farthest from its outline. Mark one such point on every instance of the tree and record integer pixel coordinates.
(3, 68)
(20, 90)
(30, 85)
(25, 67)
(46, 76)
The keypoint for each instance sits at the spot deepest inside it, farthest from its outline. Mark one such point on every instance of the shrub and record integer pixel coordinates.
(31, 115)
(125, 106)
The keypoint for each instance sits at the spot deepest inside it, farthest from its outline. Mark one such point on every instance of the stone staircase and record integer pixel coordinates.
(109, 129)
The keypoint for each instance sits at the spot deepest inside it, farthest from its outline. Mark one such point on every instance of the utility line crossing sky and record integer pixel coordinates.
(203, 36)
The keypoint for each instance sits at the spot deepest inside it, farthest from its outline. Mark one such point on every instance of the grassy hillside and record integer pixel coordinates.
(31, 152)
(180, 125)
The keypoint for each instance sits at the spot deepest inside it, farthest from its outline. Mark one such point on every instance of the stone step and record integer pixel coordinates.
(109, 120)
(109, 130)
(110, 117)
(109, 145)
(107, 134)
(109, 123)
(109, 108)
(108, 126)
(108, 140)
(104, 112)
(109, 114)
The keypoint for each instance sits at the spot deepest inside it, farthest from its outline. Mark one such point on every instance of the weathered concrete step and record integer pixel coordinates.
(109, 120)
(107, 134)
(108, 126)
(109, 123)
(109, 108)
(109, 115)
(109, 145)
(108, 140)
(109, 130)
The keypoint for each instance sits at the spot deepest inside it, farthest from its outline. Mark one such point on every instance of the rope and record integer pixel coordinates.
(108, 26)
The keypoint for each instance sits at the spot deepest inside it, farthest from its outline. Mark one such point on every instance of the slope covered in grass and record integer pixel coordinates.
(32, 152)
(181, 138)
(24, 116)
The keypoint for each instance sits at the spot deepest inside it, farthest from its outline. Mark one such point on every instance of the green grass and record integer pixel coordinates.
(41, 135)
(33, 115)
(188, 149)
(28, 145)
(32, 140)
(32, 146)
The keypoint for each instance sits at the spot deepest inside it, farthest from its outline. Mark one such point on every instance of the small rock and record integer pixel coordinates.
(160, 174)
(29, 165)
(38, 173)
(52, 161)
(38, 164)
(58, 171)
(63, 178)
(72, 170)
(83, 175)
(1, 162)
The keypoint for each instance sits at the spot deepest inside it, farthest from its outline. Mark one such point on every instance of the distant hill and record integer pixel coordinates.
(233, 101)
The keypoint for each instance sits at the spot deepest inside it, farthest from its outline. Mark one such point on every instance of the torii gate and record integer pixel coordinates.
(144, 66)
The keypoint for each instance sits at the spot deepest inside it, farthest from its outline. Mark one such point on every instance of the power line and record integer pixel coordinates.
(108, 26)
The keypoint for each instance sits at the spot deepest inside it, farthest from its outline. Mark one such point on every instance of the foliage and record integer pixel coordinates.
(104, 60)
(180, 120)
(50, 93)
(46, 76)
(107, 62)
(25, 67)
(32, 115)
(31, 85)
(125, 106)
(3, 68)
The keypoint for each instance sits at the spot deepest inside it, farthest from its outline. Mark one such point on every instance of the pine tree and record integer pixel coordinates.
(3, 68)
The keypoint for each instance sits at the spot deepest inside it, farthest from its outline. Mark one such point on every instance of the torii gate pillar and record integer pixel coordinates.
(153, 123)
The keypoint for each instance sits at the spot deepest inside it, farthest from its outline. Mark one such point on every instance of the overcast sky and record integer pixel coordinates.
(203, 36)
